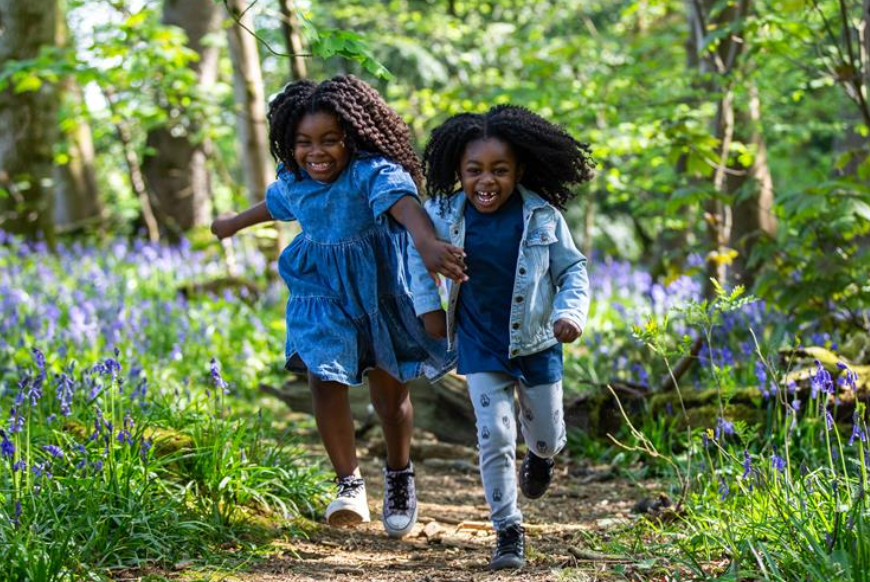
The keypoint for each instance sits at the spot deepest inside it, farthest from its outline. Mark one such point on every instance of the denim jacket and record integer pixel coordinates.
(550, 281)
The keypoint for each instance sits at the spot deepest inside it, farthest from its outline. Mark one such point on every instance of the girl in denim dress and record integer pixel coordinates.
(349, 175)
(527, 291)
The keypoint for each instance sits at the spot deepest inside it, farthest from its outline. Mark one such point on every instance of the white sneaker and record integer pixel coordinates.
(400, 501)
(351, 506)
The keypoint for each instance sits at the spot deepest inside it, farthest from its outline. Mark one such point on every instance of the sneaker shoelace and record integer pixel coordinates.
(510, 541)
(349, 486)
(398, 494)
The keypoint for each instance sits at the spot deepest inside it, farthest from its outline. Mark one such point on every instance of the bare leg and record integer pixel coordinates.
(392, 402)
(335, 424)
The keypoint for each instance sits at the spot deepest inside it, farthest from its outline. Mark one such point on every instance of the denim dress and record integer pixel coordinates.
(350, 307)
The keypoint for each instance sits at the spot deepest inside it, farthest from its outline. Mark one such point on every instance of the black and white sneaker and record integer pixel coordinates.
(400, 501)
(535, 475)
(350, 507)
(510, 552)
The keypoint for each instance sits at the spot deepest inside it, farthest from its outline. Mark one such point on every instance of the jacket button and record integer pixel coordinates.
(522, 271)
(518, 298)
(516, 325)
(514, 352)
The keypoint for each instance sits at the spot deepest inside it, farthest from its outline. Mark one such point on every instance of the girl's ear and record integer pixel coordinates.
(521, 169)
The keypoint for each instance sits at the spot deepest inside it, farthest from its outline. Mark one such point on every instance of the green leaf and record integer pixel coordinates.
(29, 82)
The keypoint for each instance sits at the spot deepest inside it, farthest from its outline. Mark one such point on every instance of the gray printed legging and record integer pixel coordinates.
(543, 428)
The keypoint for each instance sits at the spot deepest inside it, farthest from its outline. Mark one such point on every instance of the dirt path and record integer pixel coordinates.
(453, 540)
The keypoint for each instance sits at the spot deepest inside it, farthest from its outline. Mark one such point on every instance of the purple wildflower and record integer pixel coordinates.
(54, 451)
(16, 421)
(829, 420)
(39, 360)
(850, 378)
(42, 470)
(219, 382)
(724, 427)
(747, 464)
(21, 465)
(144, 448)
(724, 491)
(7, 447)
(777, 462)
(857, 431)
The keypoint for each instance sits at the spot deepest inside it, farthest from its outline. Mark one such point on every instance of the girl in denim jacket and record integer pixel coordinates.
(526, 293)
(348, 174)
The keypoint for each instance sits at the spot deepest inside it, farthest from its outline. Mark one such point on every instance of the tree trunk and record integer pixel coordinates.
(28, 123)
(176, 172)
(250, 103)
(753, 215)
(76, 199)
(293, 39)
(731, 223)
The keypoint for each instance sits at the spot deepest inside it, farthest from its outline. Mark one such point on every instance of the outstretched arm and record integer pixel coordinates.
(438, 256)
(227, 225)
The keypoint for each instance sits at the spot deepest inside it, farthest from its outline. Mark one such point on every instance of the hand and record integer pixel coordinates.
(224, 226)
(444, 258)
(435, 323)
(566, 331)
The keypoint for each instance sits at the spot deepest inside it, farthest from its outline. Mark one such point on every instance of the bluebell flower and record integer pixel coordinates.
(724, 427)
(64, 391)
(7, 447)
(219, 382)
(747, 464)
(724, 491)
(54, 451)
(42, 470)
(829, 420)
(39, 360)
(20, 465)
(777, 462)
(16, 421)
(857, 431)
(16, 518)
(760, 374)
(144, 448)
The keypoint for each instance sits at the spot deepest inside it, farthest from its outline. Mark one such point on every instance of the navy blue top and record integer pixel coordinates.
(492, 246)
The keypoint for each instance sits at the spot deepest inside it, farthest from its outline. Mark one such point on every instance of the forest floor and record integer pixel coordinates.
(584, 529)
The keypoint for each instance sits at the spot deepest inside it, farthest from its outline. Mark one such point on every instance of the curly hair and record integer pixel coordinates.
(553, 159)
(369, 123)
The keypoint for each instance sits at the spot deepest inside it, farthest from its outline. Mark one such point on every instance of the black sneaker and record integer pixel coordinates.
(510, 549)
(535, 475)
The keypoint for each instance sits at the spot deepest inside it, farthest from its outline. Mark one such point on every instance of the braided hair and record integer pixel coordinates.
(368, 122)
(553, 159)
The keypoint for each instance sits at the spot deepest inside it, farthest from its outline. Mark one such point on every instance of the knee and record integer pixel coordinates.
(393, 409)
(547, 446)
(326, 392)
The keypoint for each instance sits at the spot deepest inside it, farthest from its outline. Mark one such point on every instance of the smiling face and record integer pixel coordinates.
(489, 172)
(319, 147)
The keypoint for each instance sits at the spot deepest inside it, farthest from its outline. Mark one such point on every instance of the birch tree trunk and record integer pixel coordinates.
(177, 173)
(250, 103)
(28, 123)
